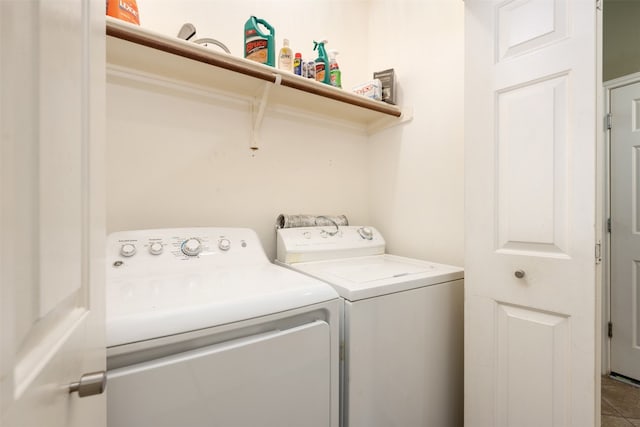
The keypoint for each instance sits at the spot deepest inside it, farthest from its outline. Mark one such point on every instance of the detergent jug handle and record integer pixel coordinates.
(266, 24)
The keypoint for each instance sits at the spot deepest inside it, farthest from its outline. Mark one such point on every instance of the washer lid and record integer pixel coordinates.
(366, 277)
(375, 270)
(152, 306)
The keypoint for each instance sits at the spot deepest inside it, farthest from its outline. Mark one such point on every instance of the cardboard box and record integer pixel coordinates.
(371, 89)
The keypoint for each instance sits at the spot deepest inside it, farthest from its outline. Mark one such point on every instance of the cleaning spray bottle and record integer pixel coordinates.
(259, 46)
(322, 63)
(335, 75)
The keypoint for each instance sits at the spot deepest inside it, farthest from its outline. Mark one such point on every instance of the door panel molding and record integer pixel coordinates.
(533, 169)
(532, 343)
(519, 34)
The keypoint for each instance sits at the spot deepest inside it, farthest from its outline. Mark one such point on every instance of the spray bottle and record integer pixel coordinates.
(322, 63)
(335, 75)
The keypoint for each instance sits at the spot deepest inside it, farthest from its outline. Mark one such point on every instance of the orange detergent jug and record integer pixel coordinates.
(127, 10)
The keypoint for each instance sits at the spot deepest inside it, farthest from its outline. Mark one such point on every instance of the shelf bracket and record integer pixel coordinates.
(257, 110)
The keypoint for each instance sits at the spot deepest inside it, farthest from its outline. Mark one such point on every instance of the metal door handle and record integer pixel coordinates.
(519, 274)
(90, 384)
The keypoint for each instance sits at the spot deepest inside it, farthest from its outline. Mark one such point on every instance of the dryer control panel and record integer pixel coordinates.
(163, 250)
(304, 244)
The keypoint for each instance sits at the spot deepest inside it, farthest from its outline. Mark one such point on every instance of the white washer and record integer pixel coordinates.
(402, 326)
(202, 330)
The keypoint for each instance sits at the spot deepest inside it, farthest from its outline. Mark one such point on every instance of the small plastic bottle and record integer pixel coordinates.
(335, 75)
(311, 69)
(297, 64)
(285, 58)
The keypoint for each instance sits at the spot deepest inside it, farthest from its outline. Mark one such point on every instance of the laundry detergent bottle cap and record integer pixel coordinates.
(259, 45)
(335, 75)
(322, 62)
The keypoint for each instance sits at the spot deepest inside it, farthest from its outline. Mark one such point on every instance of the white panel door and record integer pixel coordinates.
(625, 230)
(52, 216)
(530, 143)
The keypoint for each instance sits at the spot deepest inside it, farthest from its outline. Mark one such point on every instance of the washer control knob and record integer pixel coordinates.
(191, 247)
(365, 233)
(128, 249)
(224, 244)
(155, 248)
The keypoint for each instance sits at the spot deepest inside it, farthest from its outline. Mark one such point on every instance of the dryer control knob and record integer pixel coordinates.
(224, 244)
(155, 248)
(365, 233)
(128, 250)
(191, 247)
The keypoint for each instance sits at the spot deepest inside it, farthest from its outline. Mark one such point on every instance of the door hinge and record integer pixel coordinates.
(598, 253)
(341, 351)
(610, 330)
(609, 225)
(599, 4)
(609, 121)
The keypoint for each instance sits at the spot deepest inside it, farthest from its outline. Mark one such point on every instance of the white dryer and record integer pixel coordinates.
(402, 326)
(202, 330)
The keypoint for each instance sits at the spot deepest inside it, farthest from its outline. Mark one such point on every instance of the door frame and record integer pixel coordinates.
(605, 154)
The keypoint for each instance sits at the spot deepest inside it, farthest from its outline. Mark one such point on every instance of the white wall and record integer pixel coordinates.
(416, 171)
(179, 160)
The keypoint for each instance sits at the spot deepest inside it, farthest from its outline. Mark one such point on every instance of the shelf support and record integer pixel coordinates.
(257, 110)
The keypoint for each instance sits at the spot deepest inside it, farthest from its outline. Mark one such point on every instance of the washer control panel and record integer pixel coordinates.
(162, 250)
(306, 244)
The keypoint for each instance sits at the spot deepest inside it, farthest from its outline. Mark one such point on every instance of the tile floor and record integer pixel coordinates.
(620, 404)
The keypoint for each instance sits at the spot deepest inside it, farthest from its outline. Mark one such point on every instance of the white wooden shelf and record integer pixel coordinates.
(147, 52)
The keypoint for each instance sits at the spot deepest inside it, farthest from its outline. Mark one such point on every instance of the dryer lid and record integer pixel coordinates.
(140, 309)
(164, 282)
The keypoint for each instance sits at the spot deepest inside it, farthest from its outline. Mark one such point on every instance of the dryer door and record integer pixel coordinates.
(274, 379)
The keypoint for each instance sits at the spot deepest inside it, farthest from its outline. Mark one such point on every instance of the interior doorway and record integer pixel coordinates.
(623, 262)
(621, 296)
